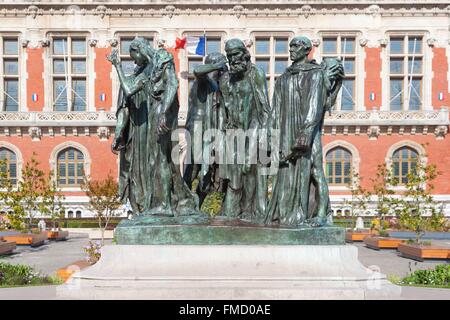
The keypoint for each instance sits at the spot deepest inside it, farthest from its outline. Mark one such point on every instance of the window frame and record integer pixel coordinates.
(334, 160)
(71, 76)
(271, 56)
(400, 161)
(405, 76)
(8, 163)
(357, 65)
(118, 34)
(67, 162)
(8, 77)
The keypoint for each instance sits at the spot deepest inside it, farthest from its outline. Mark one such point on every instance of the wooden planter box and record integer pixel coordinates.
(66, 272)
(59, 235)
(7, 247)
(29, 239)
(378, 243)
(421, 252)
(353, 236)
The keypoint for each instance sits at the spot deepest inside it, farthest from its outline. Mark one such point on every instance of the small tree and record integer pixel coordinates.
(52, 201)
(13, 216)
(417, 201)
(22, 200)
(387, 203)
(360, 197)
(104, 200)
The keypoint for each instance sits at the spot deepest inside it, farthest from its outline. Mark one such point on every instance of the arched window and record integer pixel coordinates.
(70, 166)
(78, 214)
(338, 166)
(404, 161)
(9, 164)
(70, 214)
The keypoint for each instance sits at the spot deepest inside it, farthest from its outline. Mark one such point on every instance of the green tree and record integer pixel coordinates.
(387, 202)
(103, 200)
(419, 211)
(21, 201)
(52, 201)
(359, 199)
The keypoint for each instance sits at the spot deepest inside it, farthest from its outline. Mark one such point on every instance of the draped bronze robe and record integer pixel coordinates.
(298, 103)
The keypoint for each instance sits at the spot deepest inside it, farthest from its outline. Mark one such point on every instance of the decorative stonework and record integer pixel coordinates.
(35, 133)
(374, 10)
(113, 42)
(103, 133)
(170, 10)
(440, 132)
(204, 7)
(363, 42)
(431, 42)
(101, 11)
(33, 11)
(93, 42)
(238, 11)
(44, 43)
(162, 43)
(316, 42)
(207, 7)
(383, 42)
(24, 43)
(306, 10)
(248, 43)
(373, 132)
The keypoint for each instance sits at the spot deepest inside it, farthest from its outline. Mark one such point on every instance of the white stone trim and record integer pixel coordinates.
(356, 159)
(406, 143)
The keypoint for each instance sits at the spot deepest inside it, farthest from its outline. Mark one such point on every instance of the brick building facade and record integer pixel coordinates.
(58, 91)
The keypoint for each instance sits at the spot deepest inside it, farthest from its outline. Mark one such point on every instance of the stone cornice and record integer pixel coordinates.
(230, 8)
(370, 123)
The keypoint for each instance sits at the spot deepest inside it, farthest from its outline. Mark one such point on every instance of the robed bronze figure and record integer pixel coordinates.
(146, 116)
(302, 94)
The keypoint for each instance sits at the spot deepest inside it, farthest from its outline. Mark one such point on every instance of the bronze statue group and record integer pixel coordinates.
(229, 96)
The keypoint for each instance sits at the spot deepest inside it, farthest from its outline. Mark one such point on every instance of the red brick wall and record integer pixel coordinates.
(440, 81)
(35, 80)
(372, 82)
(103, 160)
(103, 82)
(374, 152)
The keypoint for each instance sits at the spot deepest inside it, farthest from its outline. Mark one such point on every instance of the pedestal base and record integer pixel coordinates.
(200, 230)
(228, 272)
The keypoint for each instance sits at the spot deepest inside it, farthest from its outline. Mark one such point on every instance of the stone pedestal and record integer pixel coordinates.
(228, 272)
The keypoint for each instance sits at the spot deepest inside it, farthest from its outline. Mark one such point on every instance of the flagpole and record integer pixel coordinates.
(204, 35)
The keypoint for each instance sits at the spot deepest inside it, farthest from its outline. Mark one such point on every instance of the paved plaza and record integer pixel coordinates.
(54, 255)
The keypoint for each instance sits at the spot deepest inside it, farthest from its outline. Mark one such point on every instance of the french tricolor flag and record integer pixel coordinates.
(102, 97)
(193, 45)
(34, 97)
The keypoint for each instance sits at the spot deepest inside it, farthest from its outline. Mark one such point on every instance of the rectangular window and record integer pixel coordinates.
(124, 49)
(271, 54)
(9, 73)
(343, 47)
(406, 72)
(69, 61)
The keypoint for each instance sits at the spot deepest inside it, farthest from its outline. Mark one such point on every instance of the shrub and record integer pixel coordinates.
(92, 251)
(440, 276)
(19, 275)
